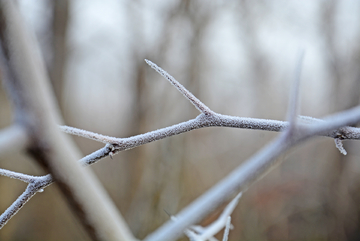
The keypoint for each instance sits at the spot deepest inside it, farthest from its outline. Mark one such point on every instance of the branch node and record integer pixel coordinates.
(111, 148)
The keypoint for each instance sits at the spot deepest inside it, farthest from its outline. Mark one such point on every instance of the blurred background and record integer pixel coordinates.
(238, 57)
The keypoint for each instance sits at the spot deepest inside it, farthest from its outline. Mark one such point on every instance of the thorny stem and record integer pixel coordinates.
(202, 121)
(243, 176)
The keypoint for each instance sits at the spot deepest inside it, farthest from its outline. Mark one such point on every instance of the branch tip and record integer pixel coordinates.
(339, 145)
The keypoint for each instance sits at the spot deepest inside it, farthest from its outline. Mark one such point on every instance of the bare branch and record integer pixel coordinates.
(13, 138)
(87, 134)
(36, 184)
(195, 101)
(17, 205)
(17, 175)
(338, 123)
(246, 174)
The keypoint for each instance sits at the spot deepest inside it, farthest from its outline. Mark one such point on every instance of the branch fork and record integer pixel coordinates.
(240, 179)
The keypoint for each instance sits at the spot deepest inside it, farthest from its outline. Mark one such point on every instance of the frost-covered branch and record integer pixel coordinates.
(87, 134)
(195, 101)
(255, 168)
(36, 184)
(241, 178)
(17, 175)
(209, 118)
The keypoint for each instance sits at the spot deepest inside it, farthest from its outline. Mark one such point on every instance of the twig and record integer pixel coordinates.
(17, 175)
(246, 174)
(121, 144)
(208, 119)
(195, 101)
(251, 171)
(87, 134)
(36, 184)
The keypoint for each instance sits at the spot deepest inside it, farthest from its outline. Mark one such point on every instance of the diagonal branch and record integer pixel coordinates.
(88, 134)
(209, 118)
(195, 101)
(247, 174)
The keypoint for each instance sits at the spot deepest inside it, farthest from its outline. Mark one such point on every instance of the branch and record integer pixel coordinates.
(195, 101)
(17, 205)
(17, 175)
(87, 134)
(209, 118)
(247, 174)
(36, 184)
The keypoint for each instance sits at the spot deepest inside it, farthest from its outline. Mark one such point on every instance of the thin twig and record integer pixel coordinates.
(36, 185)
(17, 175)
(202, 121)
(195, 101)
(87, 134)
(227, 229)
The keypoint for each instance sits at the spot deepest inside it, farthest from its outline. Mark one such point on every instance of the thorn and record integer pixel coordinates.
(195, 101)
(339, 146)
